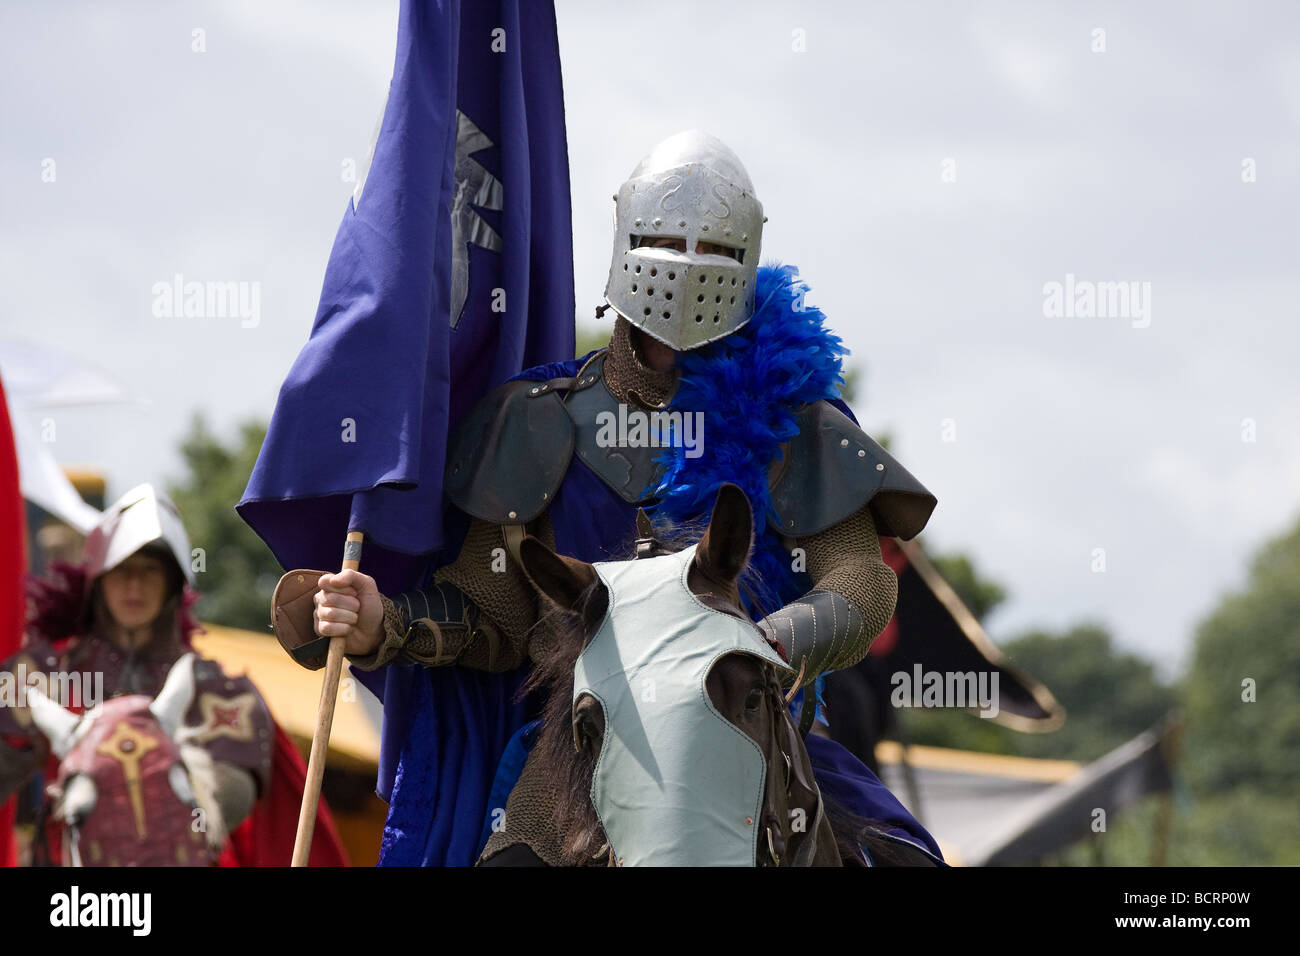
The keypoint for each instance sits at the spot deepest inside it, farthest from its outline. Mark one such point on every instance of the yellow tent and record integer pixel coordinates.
(293, 694)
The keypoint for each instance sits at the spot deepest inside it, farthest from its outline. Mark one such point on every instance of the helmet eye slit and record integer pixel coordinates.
(659, 242)
(718, 249)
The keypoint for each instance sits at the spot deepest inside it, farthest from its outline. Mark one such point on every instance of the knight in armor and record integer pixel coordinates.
(556, 453)
(105, 636)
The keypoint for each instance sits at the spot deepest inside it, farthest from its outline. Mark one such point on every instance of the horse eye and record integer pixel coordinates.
(754, 700)
(588, 730)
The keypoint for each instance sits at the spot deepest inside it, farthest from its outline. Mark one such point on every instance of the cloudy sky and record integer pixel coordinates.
(931, 168)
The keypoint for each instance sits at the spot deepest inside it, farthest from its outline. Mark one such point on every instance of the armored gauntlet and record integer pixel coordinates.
(821, 631)
(429, 626)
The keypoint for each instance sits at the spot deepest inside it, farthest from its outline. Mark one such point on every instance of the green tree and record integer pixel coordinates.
(238, 572)
(1110, 696)
(1242, 690)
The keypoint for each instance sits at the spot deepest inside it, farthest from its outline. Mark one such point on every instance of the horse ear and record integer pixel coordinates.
(724, 549)
(559, 579)
(57, 723)
(177, 694)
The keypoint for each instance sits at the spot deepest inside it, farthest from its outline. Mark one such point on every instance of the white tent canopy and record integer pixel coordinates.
(36, 379)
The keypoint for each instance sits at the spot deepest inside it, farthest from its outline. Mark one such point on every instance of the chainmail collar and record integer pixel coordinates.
(628, 378)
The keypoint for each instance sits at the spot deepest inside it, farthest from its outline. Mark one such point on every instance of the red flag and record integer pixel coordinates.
(13, 569)
(266, 837)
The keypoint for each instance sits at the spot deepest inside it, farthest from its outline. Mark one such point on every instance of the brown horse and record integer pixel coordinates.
(794, 826)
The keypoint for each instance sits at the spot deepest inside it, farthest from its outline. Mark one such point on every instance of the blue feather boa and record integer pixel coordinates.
(749, 386)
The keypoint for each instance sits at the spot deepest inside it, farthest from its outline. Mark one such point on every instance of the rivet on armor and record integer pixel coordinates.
(301, 578)
(681, 223)
(726, 232)
(514, 514)
(545, 495)
(658, 222)
(790, 522)
(704, 228)
(749, 821)
(880, 467)
(638, 221)
(862, 453)
(533, 390)
(844, 443)
(744, 237)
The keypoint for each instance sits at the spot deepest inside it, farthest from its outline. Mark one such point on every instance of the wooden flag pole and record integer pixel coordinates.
(324, 721)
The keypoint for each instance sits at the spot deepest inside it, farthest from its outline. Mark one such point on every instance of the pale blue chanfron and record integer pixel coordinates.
(676, 783)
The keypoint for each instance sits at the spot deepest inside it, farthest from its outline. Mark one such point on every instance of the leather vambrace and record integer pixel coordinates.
(428, 626)
(816, 632)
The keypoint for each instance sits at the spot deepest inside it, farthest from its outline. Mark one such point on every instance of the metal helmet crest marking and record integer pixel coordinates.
(692, 188)
(141, 516)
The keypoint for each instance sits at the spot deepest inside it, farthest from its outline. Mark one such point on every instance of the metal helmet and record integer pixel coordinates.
(692, 188)
(140, 517)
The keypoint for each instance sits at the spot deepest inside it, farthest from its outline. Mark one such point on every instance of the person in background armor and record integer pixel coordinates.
(535, 457)
(114, 626)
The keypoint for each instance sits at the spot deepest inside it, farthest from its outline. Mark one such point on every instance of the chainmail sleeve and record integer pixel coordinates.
(479, 611)
(853, 597)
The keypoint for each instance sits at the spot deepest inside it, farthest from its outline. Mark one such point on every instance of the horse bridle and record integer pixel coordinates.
(783, 750)
(800, 788)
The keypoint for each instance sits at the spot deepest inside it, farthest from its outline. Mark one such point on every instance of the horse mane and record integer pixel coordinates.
(576, 821)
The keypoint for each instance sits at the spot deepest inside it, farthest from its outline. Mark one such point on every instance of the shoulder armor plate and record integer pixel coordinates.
(629, 469)
(508, 457)
(831, 469)
(229, 718)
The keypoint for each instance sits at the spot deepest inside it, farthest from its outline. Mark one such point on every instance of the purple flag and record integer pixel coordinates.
(451, 271)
